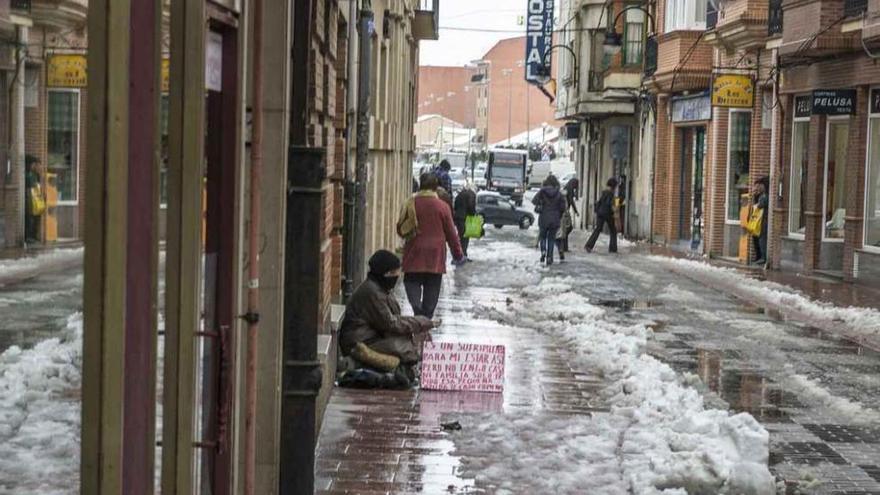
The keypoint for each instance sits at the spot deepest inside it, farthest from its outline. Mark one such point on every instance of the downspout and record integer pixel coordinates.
(776, 164)
(253, 316)
(365, 30)
(349, 184)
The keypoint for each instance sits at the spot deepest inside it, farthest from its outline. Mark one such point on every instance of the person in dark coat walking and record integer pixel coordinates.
(373, 318)
(550, 204)
(442, 173)
(465, 206)
(604, 208)
(424, 256)
(761, 201)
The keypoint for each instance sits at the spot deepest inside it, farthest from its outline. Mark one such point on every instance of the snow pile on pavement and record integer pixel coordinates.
(14, 268)
(658, 437)
(861, 321)
(40, 414)
(854, 412)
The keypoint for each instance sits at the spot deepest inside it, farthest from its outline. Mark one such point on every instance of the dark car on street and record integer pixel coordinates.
(497, 210)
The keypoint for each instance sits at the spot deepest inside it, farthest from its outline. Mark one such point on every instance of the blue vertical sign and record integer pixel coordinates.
(539, 39)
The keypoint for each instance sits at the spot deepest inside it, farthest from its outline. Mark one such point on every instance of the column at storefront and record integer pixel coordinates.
(851, 189)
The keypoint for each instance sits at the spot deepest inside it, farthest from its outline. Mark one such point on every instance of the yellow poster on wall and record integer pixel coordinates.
(166, 74)
(733, 91)
(67, 71)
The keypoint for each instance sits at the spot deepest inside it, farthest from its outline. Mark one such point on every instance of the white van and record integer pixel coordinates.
(538, 172)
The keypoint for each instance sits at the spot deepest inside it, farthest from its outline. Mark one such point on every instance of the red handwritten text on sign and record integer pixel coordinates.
(460, 366)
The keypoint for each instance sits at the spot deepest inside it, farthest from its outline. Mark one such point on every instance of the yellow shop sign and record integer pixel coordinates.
(67, 71)
(733, 91)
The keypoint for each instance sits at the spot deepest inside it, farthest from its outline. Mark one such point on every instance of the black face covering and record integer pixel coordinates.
(387, 283)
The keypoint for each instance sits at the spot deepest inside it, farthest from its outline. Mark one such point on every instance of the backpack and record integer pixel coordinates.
(603, 207)
(408, 221)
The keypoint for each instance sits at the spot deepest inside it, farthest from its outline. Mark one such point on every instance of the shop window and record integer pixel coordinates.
(872, 192)
(634, 36)
(835, 178)
(63, 141)
(685, 15)
(797, 222)
(738, 140)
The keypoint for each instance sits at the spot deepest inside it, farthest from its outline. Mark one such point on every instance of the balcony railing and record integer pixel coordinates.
(774, 18)
(711, 16)
(854, 8)
(426, 25)
(20, 5)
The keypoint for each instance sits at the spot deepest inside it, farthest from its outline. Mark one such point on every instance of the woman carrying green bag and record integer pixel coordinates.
(465, 214)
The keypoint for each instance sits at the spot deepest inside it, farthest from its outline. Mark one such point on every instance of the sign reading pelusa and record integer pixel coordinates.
(834, 102)
(539, 39)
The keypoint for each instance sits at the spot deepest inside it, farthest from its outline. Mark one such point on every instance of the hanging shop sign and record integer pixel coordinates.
(733, 91)
(803, 106)
(67, 71)
(691, 108)
(539, 39)
(875, 101)
(834, 102)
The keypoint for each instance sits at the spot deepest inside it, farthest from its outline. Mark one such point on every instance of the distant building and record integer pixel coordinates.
(491, 96)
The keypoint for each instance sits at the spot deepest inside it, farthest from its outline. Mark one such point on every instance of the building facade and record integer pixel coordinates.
(599, 93)
(44, 89)
(448, 91)
(827, 192)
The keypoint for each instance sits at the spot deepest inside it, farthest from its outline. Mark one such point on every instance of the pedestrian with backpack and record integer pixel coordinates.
(550, 205)
(604, 209)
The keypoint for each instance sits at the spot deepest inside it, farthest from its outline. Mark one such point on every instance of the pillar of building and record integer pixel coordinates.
(854, 227)
(121, 258)
(186, 151)
(276, 115)
(815, 190)
(14, 207)
(661, 172)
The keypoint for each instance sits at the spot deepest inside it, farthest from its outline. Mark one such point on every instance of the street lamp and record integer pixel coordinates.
(613, 40)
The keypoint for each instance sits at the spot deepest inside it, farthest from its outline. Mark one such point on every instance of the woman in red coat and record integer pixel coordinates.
(424, 256)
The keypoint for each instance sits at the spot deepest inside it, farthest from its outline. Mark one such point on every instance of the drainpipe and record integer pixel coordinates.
(775, 162)
(253, 316)
(349, 193)
(365, 31)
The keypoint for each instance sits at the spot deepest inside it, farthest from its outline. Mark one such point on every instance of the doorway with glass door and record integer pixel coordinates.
(692, 160)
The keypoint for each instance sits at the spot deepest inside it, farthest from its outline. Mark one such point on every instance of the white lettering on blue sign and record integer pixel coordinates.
(539, 39)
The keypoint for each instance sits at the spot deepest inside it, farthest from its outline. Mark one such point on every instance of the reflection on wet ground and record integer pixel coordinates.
(816, 393)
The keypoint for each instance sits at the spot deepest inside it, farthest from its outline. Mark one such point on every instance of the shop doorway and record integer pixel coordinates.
(692, 161)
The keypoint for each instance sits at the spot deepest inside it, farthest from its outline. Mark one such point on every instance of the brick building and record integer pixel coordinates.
(43, 108)
(512, 106)
(827, 178)
(448, 91)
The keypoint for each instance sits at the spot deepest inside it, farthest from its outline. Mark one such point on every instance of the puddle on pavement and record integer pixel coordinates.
(744, 390)
(624, 305)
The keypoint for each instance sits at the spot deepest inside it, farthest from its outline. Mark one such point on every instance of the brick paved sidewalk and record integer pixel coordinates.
(391, 442)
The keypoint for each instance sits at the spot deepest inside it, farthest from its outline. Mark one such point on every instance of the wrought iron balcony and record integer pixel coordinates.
(854, 8)
(774, 18)
(426, 25)
(20, 5)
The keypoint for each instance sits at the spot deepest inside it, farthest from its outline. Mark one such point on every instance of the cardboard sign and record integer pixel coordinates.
(460, 366)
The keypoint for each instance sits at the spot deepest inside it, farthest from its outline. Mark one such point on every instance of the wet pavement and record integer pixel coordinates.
(816, 393)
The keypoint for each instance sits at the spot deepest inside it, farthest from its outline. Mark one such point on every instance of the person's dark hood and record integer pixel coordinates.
(550, 191)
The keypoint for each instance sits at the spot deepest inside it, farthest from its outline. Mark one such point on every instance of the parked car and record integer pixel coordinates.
(497, 210)
(480, 176)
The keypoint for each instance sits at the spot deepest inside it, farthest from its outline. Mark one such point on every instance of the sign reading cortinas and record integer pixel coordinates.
(539, 39)
(67, 71)
(733, 91)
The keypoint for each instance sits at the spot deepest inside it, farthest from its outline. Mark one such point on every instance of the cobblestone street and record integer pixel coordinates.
(816, 394)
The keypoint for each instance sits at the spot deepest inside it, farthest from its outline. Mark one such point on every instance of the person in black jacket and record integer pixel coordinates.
(465, 206)
(550, 204)
(605, 216)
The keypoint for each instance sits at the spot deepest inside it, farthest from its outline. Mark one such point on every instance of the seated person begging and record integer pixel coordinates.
(373, 331)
